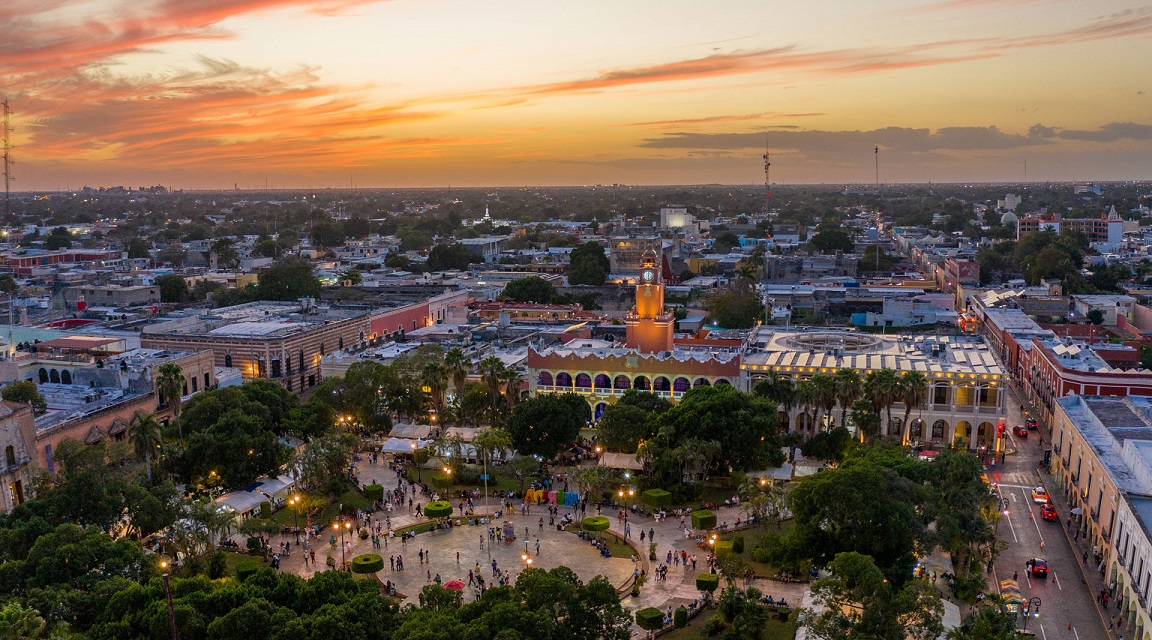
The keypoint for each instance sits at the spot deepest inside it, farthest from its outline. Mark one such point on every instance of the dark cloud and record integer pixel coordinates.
(1111, 132)
(889, 138)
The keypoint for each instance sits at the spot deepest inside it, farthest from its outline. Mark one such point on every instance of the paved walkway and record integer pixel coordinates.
(556, 548)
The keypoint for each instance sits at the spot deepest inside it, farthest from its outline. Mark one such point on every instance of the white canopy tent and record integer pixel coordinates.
(402, 445)
(241, 501)
(416, 431)
(467, 434)
(620, 461)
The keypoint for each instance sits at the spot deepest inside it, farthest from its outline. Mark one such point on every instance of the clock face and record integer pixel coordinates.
(648, 276)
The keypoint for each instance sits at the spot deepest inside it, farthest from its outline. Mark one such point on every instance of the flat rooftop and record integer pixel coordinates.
(1105, 423)
(769, 348)
(254, 320)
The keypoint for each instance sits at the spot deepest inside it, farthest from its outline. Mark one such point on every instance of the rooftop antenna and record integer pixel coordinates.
(7, 131)
(767, 168)
(877, 155)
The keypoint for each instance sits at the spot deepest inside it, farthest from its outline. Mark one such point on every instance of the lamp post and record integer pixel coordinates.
(168, 597)
(447, 481)
(294, 501)
(1031, 607)
(343, 529)
(419, 476)
(631, 494)
(526, 558)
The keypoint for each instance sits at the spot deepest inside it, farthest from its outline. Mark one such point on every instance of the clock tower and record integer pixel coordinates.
(649, 327)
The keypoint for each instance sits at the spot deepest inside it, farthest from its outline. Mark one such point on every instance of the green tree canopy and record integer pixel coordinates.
(588, 264)
(444, 257)
(26, 392)
(530, 289)
(173, 288)
(743, 425)
(831, 241)
(547, 424)
(737, 307)
(622, 427)
(289, 278)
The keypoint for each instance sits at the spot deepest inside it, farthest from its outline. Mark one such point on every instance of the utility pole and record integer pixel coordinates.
(877, 155)
(7, 127)
(767, 181)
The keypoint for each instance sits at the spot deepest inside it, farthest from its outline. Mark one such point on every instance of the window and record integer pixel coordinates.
(321, 348)
(207, 381)
(276, 368)
(301, 363)
(228, 361)
(194, 389)
(340, 341)
(10, 456)
(48, 457)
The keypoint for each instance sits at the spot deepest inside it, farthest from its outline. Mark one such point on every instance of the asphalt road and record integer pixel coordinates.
(1068, 608)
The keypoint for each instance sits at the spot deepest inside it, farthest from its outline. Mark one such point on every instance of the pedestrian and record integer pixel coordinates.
(392, 563)
(537, 546)
(457, 558)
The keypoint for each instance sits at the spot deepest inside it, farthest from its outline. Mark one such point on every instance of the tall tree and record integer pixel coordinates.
(588, 265)
(26, 392)
(144, 434)
(458, 364)
(170, 387)
(882, 388)
(913, 392)
(289, 278)
(491, 369)
(848, 389)
(547, 424)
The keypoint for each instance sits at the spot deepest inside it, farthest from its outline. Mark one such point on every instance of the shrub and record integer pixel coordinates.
(265, 509)
(656, 498)
(738, 544)
(367, 563)
(680, 617)
(723, 549)
(650, 619)
(595, 523)
(217, 565)
(374, 492)
(254, 544)
(707, 582)
(438, 509)
(363, 534)
(246, 569)
(703, 519)
(714, 625)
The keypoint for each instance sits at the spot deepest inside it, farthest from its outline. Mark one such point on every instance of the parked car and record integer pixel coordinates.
(1039, 495)
(1048, 512)
(1032, 423)
(1020, 432)
(1038, 567)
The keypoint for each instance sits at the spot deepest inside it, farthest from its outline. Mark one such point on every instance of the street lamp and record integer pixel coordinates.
(1033, 607)
(526, 558)
(294, 501)
(419, 477)
(447, 481)
(168, 597)
(343, 529)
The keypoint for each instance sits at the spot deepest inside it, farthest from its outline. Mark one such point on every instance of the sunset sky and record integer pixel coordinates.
(396, 93)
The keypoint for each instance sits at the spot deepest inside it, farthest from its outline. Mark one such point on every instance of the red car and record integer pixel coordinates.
(1020, 432)
(1048, 512)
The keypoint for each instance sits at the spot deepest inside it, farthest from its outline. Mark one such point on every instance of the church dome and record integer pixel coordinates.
(1008, 218)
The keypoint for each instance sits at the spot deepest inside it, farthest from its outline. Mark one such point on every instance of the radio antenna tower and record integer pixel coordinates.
(7, 127)
(767, 181)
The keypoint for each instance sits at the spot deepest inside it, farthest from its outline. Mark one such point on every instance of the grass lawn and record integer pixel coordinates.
(773, 629)
(617, 547)
(236, 559)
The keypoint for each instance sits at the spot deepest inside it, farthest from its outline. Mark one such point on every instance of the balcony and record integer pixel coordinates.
(589, 391)
(20, 462)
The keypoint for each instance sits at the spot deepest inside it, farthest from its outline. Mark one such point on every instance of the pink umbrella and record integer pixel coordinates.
(454, 585)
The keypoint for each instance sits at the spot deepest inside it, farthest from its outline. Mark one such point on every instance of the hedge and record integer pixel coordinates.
(265, 510)
(656, 498)
(737, 544)
(707, 582)
(246, 569)
(438, 509)
(595, 523)
(374, 492)
(723, 549)
(680, 617)
(367, 563)
(650, 619)
(703, 519)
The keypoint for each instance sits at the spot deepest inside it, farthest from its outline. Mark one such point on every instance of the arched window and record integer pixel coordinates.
(602, 382)
(66, 376)
(583, 381)
(701, 382)
(622, 382)
(10, 455)
(54, 376)
(43, 375)
(228, 360)
(600, 407)
(545, 379)
(680, 385)
(938, 429)
(722, 381)
(641, 383)
(563, 379)
(661, 384)
(896, 426)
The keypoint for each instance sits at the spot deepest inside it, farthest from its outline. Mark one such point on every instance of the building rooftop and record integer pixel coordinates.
(256, 319)
(769, 348)
(1106, 423)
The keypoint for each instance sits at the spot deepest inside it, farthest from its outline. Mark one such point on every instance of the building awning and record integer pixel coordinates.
(241, 501)
(467, 434)
(620, 461)
(402, 445)
(79, 343)
(417, 431)
(274, 486)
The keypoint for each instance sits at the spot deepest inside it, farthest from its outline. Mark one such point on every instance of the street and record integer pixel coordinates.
(1067, 606)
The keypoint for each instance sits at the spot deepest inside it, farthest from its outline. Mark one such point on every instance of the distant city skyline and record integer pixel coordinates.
(430, 93)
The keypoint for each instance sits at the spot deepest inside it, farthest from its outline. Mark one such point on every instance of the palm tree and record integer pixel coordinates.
(913, 392)
(778, 389)
(491, 369)
(881, 387)
(806, 397)
(435, 377)
(512, 381)
(144, 434)
(824, 388)
(848, 388)
(458, 364)
(170, 387)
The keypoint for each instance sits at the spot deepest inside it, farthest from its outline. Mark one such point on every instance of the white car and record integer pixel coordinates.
(1039, 495)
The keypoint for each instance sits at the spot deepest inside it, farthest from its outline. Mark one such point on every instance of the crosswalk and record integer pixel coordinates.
(1026, 479)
